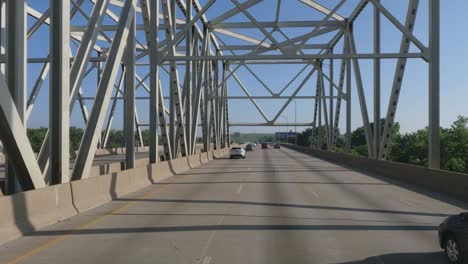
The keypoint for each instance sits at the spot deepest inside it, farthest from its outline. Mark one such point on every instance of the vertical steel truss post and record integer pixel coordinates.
(434, 84)
(154, 109)
(319, 98)
(176, 107)
(16, 70)
(129, 113)
(223, 103)
(348, 92)
(226, 110)
(214, 95)
(331, 128)
(377, 128)
(59, 91)
(188, 82)
(205, 115)
(315, 133)
(195, 69)
(202, 69)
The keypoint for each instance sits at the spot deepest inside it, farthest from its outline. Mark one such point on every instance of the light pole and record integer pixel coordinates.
(295, 122)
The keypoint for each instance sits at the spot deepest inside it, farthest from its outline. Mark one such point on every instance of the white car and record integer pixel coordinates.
(237, 152)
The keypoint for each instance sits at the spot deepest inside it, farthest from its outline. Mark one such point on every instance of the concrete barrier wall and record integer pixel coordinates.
(446, 182)
(27, 211)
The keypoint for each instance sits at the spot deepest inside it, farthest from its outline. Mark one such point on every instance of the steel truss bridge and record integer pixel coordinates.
(102, 51)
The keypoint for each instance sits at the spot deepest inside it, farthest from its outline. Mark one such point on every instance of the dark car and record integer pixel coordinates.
(277, 146)
(453, 237)
(264, 145)
(249, 147)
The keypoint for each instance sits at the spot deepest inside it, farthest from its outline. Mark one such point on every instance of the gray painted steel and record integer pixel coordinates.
(206, 48)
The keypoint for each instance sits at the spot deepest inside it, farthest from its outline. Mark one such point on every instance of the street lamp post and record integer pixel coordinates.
(295, 122)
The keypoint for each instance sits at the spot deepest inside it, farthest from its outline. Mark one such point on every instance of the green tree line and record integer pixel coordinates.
(116, 138)
(411, 147)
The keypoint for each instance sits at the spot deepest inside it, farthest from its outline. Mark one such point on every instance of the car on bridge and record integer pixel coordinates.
(249, 147)
(237, 152)
(277, 146)
(453, 237)
(264, 145)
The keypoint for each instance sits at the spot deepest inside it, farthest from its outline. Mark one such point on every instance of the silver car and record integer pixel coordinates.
(237, 152)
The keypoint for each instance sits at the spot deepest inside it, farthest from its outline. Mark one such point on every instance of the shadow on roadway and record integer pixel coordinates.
(305, 206)
(266, 171)
(271, 216)
(162, 229)
(401, 258)
(277, 182)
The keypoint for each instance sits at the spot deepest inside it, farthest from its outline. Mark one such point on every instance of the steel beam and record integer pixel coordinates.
(16, 68)
(377, 129)
(397, 81)
(129, 113)
(176, 106)
(16, 143)
(77, 70)
(59, 123)
(361, 96)
(305, 57)
(91, 135)
(434, 84)
(348, 93)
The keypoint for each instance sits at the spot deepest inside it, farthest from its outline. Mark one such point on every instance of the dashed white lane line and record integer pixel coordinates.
(239, 190)
(407, 203)
(206, 260)
(212, 235)
(315, 194)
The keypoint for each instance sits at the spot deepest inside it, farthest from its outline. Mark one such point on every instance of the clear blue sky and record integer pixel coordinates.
(412, 111)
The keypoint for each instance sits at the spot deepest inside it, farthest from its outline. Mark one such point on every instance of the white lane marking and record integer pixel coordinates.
(213, 233)
(315, 194)
(207, 260)
(239, 190)
(408, 203)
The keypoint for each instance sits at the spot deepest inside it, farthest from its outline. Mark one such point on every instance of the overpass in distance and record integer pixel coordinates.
(191, 70)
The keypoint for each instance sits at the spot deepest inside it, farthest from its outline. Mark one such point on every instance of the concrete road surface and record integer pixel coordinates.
(276, 206)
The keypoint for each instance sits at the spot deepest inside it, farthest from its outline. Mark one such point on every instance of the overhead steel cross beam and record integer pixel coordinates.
(234, 11)
(322, 9)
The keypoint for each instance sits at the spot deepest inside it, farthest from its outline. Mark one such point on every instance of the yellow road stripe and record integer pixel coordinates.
(54, 241)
